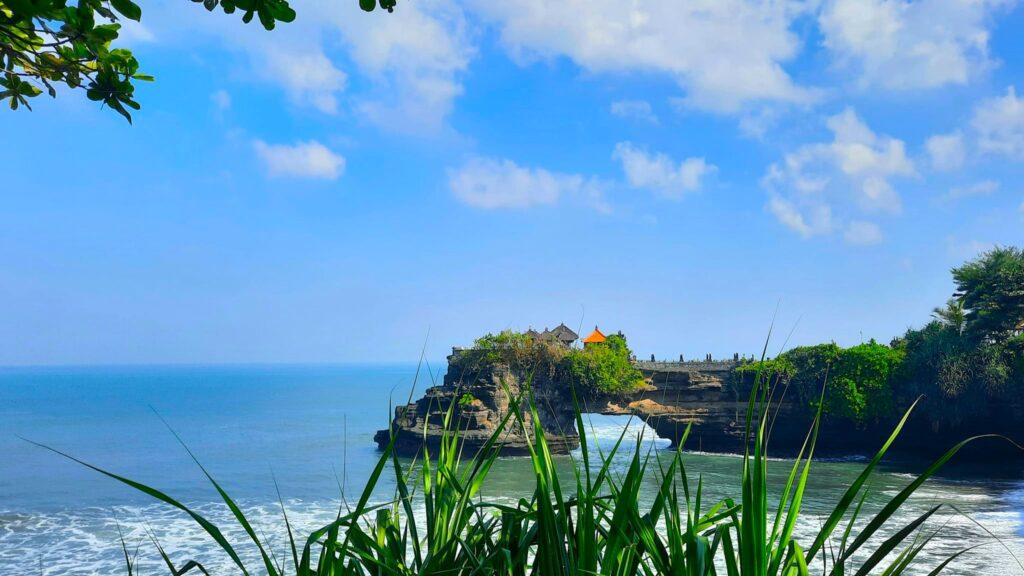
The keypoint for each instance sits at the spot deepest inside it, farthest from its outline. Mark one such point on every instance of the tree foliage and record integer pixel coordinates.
(861, 382)
(952, 314)
(968, 362)
(517, 350)
(960, 378)
(600, 368)
(992, 291)
(603, 367)
(46, 44)
(857, 381)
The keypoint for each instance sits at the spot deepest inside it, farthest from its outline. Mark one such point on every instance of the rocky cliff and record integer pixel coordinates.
(486, 404)
(703, 395)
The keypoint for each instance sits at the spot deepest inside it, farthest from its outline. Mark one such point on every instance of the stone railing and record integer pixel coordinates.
(687, 366)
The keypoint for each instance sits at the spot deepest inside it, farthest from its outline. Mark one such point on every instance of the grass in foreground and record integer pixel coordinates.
(590, 523)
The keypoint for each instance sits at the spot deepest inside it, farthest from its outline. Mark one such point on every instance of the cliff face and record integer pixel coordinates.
(703, 395)
(708, 398)
(700, 394)
(423, 420)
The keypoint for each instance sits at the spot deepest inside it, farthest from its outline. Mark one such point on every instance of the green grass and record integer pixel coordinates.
(590, 522)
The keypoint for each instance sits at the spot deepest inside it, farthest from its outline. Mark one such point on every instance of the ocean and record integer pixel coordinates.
(311, 429)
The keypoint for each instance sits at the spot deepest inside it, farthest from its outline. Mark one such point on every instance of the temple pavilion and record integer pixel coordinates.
(596, 337)
(561, 334)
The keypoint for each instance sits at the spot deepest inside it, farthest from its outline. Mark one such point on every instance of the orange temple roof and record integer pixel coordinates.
(595, 337)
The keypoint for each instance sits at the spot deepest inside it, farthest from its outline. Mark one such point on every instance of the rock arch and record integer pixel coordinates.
(703, 395)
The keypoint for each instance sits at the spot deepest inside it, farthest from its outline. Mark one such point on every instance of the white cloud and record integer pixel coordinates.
(635, 109)
(221, 100)
(492, 184)
(983, 188)
(415, 56)
(860, 152)
(810, 221)
(133, 33)
(410, 61)
(861, 233)
(757, 123)
(294, 57)
(309, 78)
(999, 123)
(1021, 210)
(818, 185)
(877, 195)
(947, 151)
(725, 54)
(910, 45)
(303, 159)
(291, 58)
(660, 173)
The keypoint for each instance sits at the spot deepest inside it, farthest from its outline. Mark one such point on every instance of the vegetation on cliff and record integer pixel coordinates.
(859, 378)
(968, 362)
(603, 367)
(518, 351)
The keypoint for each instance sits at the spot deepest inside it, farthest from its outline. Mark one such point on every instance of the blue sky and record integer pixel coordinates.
(351, 185)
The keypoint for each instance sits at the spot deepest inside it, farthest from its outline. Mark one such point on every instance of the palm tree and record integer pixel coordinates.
(952, 315)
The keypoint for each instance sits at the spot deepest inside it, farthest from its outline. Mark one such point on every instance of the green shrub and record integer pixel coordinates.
(603, 367)
(859, 379)
(515, 350)
(860, 382)
(960, 378)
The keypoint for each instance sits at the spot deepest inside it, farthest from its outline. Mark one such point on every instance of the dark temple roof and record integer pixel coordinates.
(563, 333)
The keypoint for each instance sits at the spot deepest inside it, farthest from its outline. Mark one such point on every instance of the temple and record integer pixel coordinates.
(561, 334)
(596, 337)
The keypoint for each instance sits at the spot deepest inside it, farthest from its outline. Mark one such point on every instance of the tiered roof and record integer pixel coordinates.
(595, 337)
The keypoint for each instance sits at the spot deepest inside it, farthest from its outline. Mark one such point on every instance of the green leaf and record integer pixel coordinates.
(107, 32)
(266, 18)
(282, 11)
(368, 5)
(128, 9)
(26, 89)
(22, 9)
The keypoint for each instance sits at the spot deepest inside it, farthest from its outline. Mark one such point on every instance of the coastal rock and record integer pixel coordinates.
(486, 390)
(706, 396)
(702, 395)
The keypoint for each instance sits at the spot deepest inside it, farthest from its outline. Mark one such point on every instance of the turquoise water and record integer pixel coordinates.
(312, 428)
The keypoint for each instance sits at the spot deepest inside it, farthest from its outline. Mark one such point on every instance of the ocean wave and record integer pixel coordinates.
(86, 541)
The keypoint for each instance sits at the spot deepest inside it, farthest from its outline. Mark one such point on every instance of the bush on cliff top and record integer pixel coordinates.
(603, 367)
(516, 350)
(859, 378)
